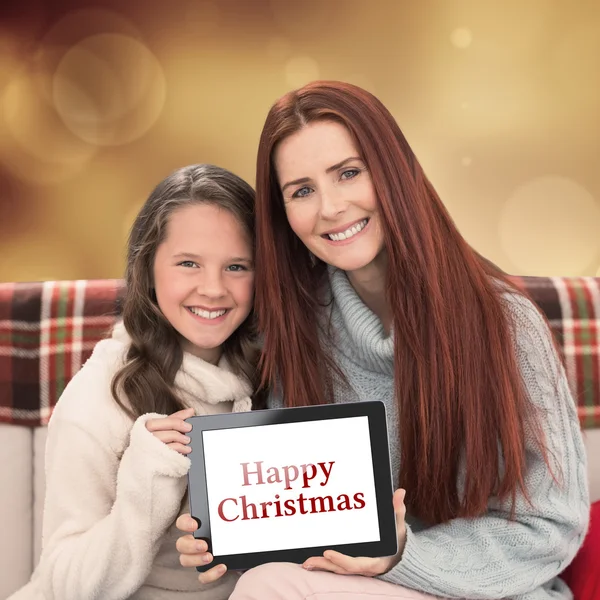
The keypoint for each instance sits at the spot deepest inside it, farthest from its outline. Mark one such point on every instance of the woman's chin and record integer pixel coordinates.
(351, 264)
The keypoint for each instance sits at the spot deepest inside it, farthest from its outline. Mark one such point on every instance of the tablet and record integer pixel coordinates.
(282, 485)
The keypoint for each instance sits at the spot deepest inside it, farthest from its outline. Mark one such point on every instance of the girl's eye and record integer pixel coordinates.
(301, 193)
(349, 174)
(187, 263)
(237, 268)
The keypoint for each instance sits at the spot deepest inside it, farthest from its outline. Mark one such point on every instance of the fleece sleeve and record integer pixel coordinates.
(104, 517)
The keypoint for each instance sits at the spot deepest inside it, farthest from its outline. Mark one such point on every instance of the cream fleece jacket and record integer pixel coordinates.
(114, 491)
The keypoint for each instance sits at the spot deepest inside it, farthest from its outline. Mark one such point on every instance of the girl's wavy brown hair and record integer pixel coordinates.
(146, 382)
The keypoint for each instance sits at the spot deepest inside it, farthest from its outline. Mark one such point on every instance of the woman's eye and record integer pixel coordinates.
(349, 174)
(187, 263)
(301, 193)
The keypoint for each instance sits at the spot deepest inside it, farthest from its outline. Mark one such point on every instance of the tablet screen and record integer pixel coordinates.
(290, 485)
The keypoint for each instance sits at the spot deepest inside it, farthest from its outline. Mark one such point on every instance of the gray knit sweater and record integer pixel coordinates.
(489, 556)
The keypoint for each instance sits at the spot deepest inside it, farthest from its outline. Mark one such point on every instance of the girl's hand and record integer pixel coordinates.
(194, 553)
(171, 430)
(369, 567)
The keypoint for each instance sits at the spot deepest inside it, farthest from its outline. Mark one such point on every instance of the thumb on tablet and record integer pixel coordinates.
(186, 523)
(400, 512)
(399, 508)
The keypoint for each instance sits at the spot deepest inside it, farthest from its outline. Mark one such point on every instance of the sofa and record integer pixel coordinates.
(48, 330)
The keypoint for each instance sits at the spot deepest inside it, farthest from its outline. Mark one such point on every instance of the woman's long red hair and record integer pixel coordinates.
(458, 387)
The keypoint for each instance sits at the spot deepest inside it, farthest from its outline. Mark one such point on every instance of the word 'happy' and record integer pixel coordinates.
(290, 474)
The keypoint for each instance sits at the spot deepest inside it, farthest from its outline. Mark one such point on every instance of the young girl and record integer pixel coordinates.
(116, 459)
(383, 298)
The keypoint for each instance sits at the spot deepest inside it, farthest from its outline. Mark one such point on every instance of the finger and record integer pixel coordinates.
(181, 448)
(185, 413)
(351, 564)
(212, 574)
(400, 510)
(167, 424)
(188, 544)
(195, 560)
(398, 502)
(171, 436)
(320, 563)
(186, 523)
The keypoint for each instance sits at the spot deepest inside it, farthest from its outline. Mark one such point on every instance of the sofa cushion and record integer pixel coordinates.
(16, 510)
(591, 439)
(40, 434)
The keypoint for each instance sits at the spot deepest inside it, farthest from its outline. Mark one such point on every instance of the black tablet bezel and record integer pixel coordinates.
(198, 494)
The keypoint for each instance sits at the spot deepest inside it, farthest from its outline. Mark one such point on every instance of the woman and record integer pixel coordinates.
(366, 289)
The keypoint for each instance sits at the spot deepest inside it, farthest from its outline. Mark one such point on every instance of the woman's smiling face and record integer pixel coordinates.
(329, 196)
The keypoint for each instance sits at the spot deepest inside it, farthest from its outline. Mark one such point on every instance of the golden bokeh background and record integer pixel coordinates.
(101, 100)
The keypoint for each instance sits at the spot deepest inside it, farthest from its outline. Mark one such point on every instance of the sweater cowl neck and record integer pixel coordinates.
(359, 331)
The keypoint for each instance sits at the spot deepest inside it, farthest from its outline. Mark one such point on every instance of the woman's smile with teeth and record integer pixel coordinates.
(351, 231)
(207, 314)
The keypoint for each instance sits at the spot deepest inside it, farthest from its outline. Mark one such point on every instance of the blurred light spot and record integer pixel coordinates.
(37, 147)
(464, 105)
(466, 161)
(109, 89)
(461, 37)
(551, 226)
(279, 48)
(300, 70)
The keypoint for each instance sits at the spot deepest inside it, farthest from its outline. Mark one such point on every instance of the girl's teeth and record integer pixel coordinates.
(338, 237)
(206, 314)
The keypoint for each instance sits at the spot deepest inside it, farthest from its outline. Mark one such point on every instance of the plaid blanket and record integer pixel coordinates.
(572, 307)
(48, 330)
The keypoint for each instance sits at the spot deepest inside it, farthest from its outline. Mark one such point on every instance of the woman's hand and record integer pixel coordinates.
(171, 430)
(337, 562)
(194, 553)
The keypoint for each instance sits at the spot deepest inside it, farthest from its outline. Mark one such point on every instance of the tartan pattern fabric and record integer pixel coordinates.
(48, 330)
(572, 307)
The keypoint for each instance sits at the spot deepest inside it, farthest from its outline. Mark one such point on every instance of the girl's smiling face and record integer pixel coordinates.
(204, 277)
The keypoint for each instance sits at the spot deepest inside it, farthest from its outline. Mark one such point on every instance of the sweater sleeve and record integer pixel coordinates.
(104, 517)
(492, 556)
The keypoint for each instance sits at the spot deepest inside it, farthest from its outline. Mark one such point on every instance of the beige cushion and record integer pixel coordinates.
(39, 487)
(592, 445)
(16, 514)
